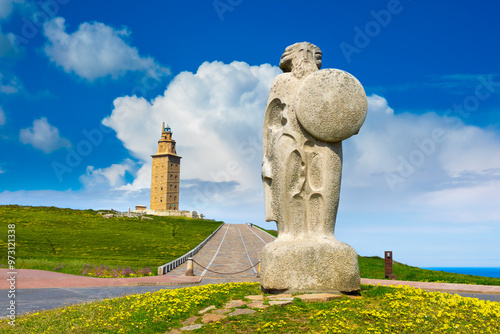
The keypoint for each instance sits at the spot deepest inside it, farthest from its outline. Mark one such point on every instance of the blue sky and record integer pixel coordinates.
(85, 85)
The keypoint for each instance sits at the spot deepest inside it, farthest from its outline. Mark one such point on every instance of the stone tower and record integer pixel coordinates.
(165, 174)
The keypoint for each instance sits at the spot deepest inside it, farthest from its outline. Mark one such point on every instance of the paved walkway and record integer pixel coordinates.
(234, 248)
(37, 279)
(443, 287)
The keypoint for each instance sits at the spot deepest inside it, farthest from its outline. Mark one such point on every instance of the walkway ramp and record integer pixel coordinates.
(234, 249)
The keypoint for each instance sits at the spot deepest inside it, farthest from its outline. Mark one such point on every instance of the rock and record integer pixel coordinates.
(309, 113)
(241, 311)
(281, 296)
(255, 297)
(318, 297)
(206, 309)
(280, 302)
(234, 303)
(257, 304)
(222, 311)
(108, 215)
(146, 218)
(191, 327)
(210, 317)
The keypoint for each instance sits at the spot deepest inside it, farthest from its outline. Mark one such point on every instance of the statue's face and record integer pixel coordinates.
(298, 53)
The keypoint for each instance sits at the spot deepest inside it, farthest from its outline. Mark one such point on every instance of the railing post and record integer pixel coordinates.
(190, 269)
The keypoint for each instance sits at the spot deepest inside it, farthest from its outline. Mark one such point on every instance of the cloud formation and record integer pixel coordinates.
(216, 115)
(396, 161)
(2, 116)
(43, 136)
(9, 84)
(96, 50)
(105, 178)
(6, 7)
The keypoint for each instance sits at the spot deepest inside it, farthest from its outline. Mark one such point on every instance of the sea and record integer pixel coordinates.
(478, 271)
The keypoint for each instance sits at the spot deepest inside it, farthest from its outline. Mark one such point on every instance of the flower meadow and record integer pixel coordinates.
(380, 310)
(109, 272)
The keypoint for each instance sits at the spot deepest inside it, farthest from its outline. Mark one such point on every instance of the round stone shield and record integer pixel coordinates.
(331, 105)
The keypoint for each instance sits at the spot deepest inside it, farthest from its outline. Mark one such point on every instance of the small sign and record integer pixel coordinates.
(388, 265)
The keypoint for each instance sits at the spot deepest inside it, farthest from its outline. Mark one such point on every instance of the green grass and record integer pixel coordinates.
(274, 233)
(380, 310)
(64, 240)
(373, 267)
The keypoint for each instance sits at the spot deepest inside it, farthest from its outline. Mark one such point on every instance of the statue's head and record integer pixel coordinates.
(301, 59)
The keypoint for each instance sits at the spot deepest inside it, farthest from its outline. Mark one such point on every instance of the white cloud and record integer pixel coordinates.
(6, 7)
(110, 177)
(96, 50)
(398, 164)
(43, 136)
(216, 116)
(2, 116)
(9, 85)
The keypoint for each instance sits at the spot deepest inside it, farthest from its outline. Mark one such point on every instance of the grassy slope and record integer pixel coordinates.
(373, 267)
(47, 238)
(274, 233)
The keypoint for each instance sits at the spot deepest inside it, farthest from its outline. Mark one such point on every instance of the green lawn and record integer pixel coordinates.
(65, 240)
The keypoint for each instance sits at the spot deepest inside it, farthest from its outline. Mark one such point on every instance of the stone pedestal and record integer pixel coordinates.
(304, 265)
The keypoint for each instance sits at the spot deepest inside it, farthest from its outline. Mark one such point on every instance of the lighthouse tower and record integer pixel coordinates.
(166, 173)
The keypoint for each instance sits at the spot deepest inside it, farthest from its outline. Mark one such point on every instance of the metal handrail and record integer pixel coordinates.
(162, 270)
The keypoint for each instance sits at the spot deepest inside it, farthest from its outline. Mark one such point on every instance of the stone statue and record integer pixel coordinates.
(309, 112)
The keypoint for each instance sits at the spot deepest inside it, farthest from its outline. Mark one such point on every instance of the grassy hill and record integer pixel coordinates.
(66, 240)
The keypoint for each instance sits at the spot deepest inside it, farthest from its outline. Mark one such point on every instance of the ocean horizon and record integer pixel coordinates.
(478, 271)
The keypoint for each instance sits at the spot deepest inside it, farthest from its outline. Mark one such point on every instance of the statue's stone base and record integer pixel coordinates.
(309, 265)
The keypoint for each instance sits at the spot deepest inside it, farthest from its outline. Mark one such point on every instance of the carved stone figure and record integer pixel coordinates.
(309, 112)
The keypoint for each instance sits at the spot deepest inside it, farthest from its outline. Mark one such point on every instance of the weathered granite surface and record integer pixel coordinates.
(309, 112)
